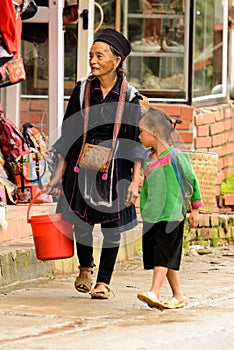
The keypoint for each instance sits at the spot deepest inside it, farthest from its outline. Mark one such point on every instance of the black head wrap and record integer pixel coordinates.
(116, 40)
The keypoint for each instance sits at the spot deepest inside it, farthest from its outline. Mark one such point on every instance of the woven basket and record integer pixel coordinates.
(205, 165)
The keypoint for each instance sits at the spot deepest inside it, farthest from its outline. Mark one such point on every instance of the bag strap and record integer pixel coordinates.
(37, 168)
(186, 196)
(21, 161)
(177, 172)
(118, 117)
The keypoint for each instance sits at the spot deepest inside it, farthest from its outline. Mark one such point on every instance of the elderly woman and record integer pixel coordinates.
(103, 110)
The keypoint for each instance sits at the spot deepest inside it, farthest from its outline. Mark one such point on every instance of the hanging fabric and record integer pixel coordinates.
(10, 26)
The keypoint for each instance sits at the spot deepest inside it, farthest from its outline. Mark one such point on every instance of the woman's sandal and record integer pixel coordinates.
(101, 294)
(84, 285)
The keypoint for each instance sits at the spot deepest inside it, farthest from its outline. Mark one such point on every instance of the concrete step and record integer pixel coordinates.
(16, 217)
(19, 264)
(18, 261)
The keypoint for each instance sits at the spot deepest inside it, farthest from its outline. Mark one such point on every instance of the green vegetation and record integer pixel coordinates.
(186, 245)
(227, 186)
(215, 240)
(202, 241)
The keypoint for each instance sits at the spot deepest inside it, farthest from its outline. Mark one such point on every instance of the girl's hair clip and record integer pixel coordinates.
(174, 122)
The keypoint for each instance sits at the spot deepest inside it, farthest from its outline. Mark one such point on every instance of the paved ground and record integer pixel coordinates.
(50, 314)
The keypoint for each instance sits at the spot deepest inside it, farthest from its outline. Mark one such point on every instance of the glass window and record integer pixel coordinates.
(169, 61)
(158, 63)
(34, 48)
(35, 55)
(111, 10)
(210, 50)
(70, 57)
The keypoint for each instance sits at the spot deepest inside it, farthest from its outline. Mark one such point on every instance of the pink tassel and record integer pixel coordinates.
(104, 176)
(76, 169)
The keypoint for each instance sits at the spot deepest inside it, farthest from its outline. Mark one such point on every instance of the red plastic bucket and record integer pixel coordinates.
(53, 237)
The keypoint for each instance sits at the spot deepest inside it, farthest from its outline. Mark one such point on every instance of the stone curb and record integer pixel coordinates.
(20, 264)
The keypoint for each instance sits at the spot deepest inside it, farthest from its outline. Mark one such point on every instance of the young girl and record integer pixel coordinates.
(163, 207)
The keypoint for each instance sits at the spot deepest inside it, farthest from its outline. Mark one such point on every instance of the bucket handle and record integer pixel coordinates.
(32, 202)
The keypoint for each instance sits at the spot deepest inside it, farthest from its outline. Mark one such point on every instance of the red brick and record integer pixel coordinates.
(227, 160)
(229, 148)
(219, 150)
(39, 105)
(219, 115)
(187, 137)
(220, 163)
(204, 220)
(229, 136)
(225, 210)
(32, 117)
(187, 113)
(218, 140)
(228, 124)
(204, 118)
(172, 110)
(203, 130)
(217, 128)
(214, 220)
(228, 112)
(24, 105)
(203, 142)
(226, 172)
(185, 125)
(229, 199)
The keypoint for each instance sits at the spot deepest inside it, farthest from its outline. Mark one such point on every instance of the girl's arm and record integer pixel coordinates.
(194, 218)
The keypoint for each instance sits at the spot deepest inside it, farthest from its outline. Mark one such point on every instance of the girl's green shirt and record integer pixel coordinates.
(160, 196)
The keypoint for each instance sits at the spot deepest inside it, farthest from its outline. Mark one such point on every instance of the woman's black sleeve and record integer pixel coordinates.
(71, 127)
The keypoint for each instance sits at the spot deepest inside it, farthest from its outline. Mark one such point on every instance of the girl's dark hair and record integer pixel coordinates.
(159, 122)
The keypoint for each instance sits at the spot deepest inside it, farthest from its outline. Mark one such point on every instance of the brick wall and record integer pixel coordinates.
(217, 228)
(214, 128)
(35, 111)
(208, 129)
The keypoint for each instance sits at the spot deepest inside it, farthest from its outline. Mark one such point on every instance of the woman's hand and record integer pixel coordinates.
(194, 218)
(55, 183)
(132, 194)
(52, 189)
(133, 189)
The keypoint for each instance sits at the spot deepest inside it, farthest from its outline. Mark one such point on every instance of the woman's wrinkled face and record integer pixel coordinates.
(101, 59)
